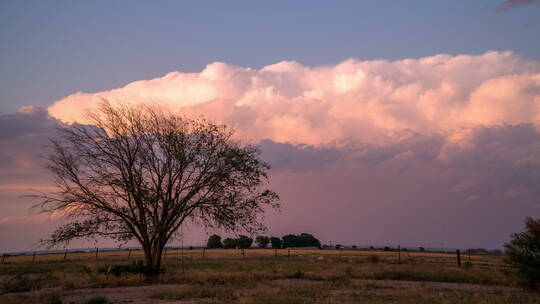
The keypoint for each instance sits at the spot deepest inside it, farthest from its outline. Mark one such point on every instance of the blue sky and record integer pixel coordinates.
(50, 49)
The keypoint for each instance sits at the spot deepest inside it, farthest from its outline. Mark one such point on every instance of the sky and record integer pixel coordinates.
(393, 122)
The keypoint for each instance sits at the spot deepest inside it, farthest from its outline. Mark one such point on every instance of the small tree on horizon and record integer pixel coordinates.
(214, 241)
(138, 172)
(230, 243)
(262, 241)
(276, 242)
(302, 240)
(244, 242)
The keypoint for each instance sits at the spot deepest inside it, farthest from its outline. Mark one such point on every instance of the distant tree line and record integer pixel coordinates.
(287, 241)
(243, 241)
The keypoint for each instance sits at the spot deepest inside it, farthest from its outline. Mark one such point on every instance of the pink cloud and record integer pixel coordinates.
(360, 100)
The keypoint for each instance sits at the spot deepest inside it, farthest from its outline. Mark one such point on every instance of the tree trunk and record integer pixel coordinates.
(152, 257)
(147, 255)
(157, 252)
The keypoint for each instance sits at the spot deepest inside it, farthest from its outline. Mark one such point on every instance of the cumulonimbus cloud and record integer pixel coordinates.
(359, 100)
(447, 146)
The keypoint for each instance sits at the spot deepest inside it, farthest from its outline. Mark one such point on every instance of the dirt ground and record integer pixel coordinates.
(142, 294)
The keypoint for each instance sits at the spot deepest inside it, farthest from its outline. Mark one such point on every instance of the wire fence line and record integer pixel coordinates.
(294, 254)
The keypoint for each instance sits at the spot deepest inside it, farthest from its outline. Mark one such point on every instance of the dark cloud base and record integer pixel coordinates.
(422, 190)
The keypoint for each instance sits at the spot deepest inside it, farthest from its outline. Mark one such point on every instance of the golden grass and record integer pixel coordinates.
(307, 276)
(221, 254)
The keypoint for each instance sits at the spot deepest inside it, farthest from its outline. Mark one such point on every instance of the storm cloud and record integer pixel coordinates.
(435, 151)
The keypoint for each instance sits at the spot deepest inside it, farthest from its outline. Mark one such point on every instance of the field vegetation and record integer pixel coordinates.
(262, 276)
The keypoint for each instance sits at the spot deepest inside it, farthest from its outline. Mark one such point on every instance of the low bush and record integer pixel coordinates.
(195, 292)
(298, 275)
(373, 259)
(137, 267)
(97, 300)
(26, 282)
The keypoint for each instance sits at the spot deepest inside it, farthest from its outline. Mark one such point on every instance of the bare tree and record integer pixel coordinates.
(140, 173)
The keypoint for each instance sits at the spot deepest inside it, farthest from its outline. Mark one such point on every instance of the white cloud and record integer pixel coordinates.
(362, 100)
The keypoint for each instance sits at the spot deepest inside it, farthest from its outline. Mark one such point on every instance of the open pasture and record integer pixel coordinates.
(350, 255)
(264, 276)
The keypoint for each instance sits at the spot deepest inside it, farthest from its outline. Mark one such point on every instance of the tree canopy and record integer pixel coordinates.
(523, 252)
(302, 240)
(214, 241)
(262, 241)
(276, 242)
(138, 172)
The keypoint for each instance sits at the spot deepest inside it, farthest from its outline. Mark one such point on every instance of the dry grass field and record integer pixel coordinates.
(259, 276)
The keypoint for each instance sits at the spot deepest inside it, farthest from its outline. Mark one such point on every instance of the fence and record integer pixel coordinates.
(203, 254)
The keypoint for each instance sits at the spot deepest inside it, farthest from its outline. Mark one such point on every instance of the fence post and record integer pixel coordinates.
(243, 254)
(129, 254)
(203, 252)
(458, 258)
(340, 250)
(65, 254)
(275, 253)
(34, 258)
(288, 254)
(97, 251)
(182, 257)
(409, 256)
(399, 253)
(3, 258)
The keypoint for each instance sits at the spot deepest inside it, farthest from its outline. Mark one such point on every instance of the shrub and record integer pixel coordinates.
(496, 252)
(523, 253)
(97, 300)
(54, 299)
(225, 294)
(298, 275)
(27, 282)
(373, 259)
(478, 250)
(137, 267)
(19, 283)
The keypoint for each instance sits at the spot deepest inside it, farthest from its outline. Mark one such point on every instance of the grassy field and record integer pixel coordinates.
(259, 276)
